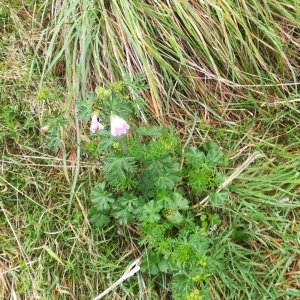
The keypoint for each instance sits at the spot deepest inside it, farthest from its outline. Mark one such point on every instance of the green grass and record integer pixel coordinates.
(226, 72)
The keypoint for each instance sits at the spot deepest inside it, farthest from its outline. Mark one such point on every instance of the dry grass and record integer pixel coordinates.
(220, 60)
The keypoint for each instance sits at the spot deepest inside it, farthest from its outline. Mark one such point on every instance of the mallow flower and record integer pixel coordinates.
(118, 126)
(95, 124)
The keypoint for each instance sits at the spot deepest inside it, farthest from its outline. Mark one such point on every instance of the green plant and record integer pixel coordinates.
(144, 185)
(114, 99)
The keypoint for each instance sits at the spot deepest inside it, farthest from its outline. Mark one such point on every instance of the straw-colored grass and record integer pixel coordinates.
(215, 59)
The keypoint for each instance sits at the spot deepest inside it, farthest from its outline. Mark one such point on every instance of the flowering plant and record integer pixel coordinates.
(148, 184)
(113, 105)
(118, 126)
(95, 124)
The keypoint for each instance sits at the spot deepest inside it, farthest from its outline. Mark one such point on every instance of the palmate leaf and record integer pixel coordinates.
(106, 142)
(194, 157)
(121, 106)
(219, 198)
(215, 220)
(200, 180)
(102, 93)
(181, 255)
(99, 220)
(139, 82)
(84, 108)
(161, 174)
(116, 168)
(154, 233)
(123, 216)
(53, 140)
(175, 217)
(125, 208)
(117, 164)
(167, 181)
(54, 123)
(154, 263)
(176, 202)
(181, 284)
(150, 212)
(150, 263)
(214, 156)
(136, 149)
(101, 199)
(128, 202)
(165, 163)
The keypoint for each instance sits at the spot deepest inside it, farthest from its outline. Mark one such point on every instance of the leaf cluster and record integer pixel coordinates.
(143, 184)
(201, 170)
(184, 255)
(54, 125)
(115, 99)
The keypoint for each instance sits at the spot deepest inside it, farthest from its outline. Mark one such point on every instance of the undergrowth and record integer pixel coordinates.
(202, 86)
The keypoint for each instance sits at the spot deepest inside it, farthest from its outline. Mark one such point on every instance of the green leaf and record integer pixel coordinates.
(200, 180)
(166, 182)
(117, 164)
(154, 233)
(106, 142)
(124, 209)
(54, 124)
(128, 202)
(161, 174)
(179, 202)
(181, 284)
(204, 221)
(210, 147)
(163, 265)
(194, 157)
(123, 216)
(215, 220)
(219, 198)
(84, 108)
(154, 263)
(182, 253)
(101, 199)
(199, 242)
(150, 263)
(175, 217)
(240, 235)
(99, 220)
(150, 212)
(164, 246)
(214, 156)
(153, 131)
(53, 139)
(219, 178)
(173, 202)
(136, 149)
(102, 93)
(117, 168)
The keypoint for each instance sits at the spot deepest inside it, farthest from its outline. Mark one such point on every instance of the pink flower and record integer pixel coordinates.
(95, 124)
(118, 126)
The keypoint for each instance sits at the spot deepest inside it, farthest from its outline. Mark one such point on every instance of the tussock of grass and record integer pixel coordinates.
(216, 55)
